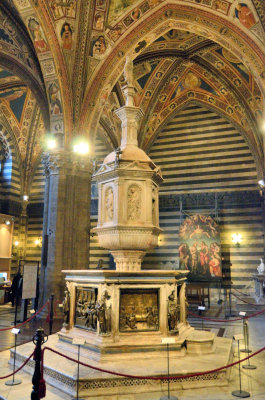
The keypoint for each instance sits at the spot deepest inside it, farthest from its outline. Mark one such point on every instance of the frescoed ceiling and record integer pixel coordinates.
(21, 116)
(180, 67)
(74, 42)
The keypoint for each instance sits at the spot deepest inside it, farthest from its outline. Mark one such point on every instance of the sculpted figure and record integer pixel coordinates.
(104, 313)
(128, 71)
(109, 204)
(66, 307)
(134, 202)
(173, 312)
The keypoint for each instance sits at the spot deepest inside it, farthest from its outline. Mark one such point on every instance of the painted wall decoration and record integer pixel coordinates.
(37, 35)
(55, 99)
(63, 9)
(200, 248)
(245, 15)
(67, 36)
(98, 46)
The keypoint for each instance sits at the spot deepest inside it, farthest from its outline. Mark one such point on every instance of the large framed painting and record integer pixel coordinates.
(200, 248)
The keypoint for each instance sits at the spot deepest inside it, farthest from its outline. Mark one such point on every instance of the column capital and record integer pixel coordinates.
(66, 162)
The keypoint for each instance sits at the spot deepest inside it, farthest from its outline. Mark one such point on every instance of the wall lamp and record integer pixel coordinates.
(38, 242)
(81, 148)
(236, 239)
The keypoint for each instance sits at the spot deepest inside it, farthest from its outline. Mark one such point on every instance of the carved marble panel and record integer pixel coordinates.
(134, 202)
(109, 204)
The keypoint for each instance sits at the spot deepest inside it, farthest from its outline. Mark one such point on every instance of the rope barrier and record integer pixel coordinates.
(29, 319)
(243, 294)
(244, 301)
(21, 366)
(227, 320)
(153, 377)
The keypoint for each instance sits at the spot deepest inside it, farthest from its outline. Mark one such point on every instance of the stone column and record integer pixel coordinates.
(66, 224)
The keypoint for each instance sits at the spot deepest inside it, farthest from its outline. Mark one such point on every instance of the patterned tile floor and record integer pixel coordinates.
(252, 380)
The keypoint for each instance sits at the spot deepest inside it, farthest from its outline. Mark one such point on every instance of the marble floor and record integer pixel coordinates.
(253, 381)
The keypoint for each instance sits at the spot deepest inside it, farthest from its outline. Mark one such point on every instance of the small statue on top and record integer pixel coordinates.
(261, 267)
(128, 71)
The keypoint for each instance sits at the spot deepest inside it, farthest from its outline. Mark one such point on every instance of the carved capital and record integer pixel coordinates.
(65, 162)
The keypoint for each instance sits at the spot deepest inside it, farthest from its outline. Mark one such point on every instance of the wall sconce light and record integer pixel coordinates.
(25, 197)
(38, 242)
(16, 243)
(81, 148)
(236, 239)
(51, 144)
(7, 222)
(261, 183)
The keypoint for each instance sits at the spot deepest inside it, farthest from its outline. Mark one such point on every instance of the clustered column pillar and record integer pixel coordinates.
(66, 224)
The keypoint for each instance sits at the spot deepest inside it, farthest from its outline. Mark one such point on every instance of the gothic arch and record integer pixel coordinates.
(192, 18)
(257, 157)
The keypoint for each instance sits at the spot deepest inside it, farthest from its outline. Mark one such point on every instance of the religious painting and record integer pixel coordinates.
(200, 248)
(98, 47)
(222, 6)
(98, 21)
(117, 7)
(62, 9)
(85, 308)
(55, 99)
(116, 32)
(139, 310)
(245, 15)
(66, 36)
(101, 4)
(37, 35)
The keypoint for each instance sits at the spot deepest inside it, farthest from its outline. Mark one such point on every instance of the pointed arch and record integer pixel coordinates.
(192, 18)
(190, 102)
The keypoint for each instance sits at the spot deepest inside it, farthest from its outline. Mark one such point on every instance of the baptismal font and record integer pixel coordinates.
(128, 308)
(122, 318)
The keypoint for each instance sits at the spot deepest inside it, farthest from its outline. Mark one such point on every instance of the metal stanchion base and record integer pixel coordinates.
(13, 382)
(241, 394)
(246, 351)
(249, 366)
(168, 398)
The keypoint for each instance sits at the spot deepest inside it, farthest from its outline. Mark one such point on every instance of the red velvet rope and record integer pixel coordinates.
(29, 319)
(244, 301)
(21, 366)
(152, 377)
(227, 320)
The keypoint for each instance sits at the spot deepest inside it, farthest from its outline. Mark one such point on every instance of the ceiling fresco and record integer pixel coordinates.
(20, 115)
(181, 67)
(77, 46)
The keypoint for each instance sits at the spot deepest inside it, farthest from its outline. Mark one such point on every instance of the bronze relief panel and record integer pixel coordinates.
(85, 308)
(139, 310)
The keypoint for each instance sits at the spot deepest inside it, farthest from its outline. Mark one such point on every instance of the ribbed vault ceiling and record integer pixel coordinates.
(181, 67)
